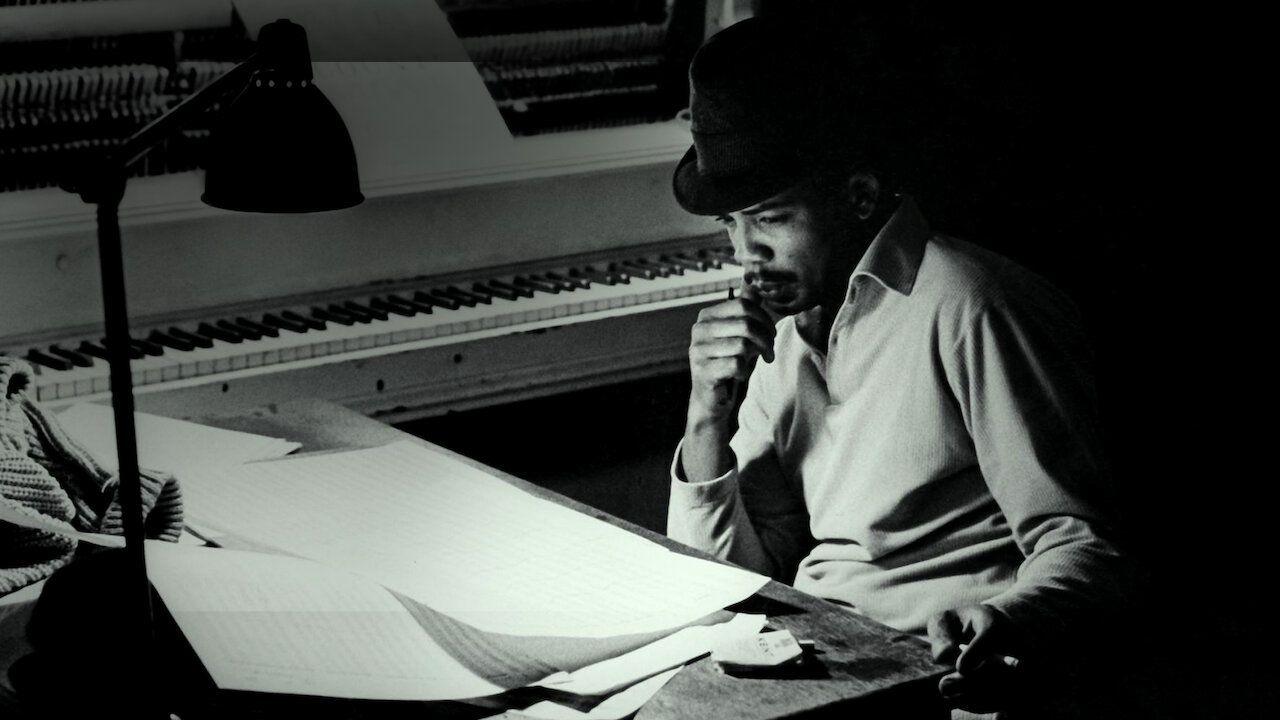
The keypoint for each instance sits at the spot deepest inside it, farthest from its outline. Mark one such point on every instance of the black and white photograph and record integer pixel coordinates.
(654, 359)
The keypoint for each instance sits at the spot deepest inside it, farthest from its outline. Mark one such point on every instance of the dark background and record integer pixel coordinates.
(1104, 148)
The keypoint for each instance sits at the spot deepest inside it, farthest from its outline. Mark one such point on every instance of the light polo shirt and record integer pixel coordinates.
(940, 450)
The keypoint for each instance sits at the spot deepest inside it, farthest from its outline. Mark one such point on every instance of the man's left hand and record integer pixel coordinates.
(978, 639)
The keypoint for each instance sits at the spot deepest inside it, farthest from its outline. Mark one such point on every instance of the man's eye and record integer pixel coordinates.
(724, 219)
(771, 219)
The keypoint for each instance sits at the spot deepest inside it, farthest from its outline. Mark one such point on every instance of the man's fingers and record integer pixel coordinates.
(710, 334)
(946, 632)
(726, 368)
(736, 308)
(729, 326)
(745, 347)
(981, 645)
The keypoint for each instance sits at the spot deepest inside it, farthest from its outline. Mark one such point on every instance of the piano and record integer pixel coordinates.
(519, 238)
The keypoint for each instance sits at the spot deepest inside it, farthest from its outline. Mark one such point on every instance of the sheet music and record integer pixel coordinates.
(463, 542)
(166, 444)
(278, 624)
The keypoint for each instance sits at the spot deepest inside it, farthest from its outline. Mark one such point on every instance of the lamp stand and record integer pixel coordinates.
(136, 589)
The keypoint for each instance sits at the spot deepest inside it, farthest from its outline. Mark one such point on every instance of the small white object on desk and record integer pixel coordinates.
(763, 651)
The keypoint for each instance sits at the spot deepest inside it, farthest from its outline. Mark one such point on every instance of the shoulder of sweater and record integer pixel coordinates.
(968, 282)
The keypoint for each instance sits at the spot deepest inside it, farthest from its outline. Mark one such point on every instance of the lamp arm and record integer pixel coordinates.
(138, 144)
(103, 180)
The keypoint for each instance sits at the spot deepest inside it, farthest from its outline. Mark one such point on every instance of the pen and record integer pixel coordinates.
(733, 387)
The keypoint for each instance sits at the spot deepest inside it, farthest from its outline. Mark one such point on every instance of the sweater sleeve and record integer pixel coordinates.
(1022, 379)
(752, 515)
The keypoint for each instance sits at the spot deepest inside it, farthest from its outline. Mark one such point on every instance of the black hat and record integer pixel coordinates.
(771, 104)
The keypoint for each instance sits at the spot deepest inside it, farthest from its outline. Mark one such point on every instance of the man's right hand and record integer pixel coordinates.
(726, 341)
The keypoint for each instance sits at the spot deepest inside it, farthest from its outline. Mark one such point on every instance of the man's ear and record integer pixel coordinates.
(863, 189)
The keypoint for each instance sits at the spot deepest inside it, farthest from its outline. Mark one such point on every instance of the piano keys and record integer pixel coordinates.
(539, 264)
(391, 319)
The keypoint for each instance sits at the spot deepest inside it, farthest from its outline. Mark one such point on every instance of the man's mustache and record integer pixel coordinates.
(755, 277)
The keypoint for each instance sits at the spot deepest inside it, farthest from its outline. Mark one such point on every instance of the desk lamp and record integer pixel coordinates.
(277, 146)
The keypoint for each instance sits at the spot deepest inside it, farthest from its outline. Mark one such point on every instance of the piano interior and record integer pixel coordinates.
(518, 240)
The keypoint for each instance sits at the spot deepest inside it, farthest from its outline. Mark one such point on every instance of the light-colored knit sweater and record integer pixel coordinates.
(44, 472)
(940, 450)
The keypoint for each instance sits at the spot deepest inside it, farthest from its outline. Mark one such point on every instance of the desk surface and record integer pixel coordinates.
(870, 669)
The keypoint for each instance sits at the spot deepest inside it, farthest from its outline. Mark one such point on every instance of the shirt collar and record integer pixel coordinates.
(893, 258)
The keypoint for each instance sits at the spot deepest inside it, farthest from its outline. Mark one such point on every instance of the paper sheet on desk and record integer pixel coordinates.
(618, 675)
(166, 444)
(272, 623)
(614, 707)
(28, 518)
(464, 543)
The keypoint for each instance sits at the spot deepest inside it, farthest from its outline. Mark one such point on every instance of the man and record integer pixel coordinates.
(918, 440)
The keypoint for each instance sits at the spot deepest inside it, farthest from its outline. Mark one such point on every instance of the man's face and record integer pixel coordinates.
(797, 248)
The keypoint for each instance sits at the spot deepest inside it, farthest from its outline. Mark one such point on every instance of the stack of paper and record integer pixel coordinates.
(463, 542)
(273, 623)
(404, 573)
(504, 590)
(174, 446)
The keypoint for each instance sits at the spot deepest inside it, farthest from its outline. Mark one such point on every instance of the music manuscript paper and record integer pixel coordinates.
(463, 542)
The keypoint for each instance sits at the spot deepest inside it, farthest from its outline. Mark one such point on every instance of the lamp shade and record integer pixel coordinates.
(280, 145)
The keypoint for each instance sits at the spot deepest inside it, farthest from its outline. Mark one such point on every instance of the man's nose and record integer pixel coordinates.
(748, 246)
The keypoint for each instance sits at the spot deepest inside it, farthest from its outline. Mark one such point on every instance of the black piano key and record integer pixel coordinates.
(77, 359)
(53, 363)
(147, 347)
(529, 285)
(462, 296)
(724, 254)
(670, 268)
(519, 291)
(135, 352)
(390, 306)
(711, 257)
(572, 283)
(558, 285)
(169, 341)
(89, 348)
(283, 323)
(662, 270)
(341, 317)
(687, 262)
(565, 283)
(257, 327)
(411, 307)
(218, 333)
(243, 332)
(369, 313)
(351, 313)
(311, 322)
(634, 269)
(505, 292)
(600, 276)
(196, 340)
(435, 301)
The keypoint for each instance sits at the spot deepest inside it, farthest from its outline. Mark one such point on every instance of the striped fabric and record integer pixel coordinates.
(938, 449)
